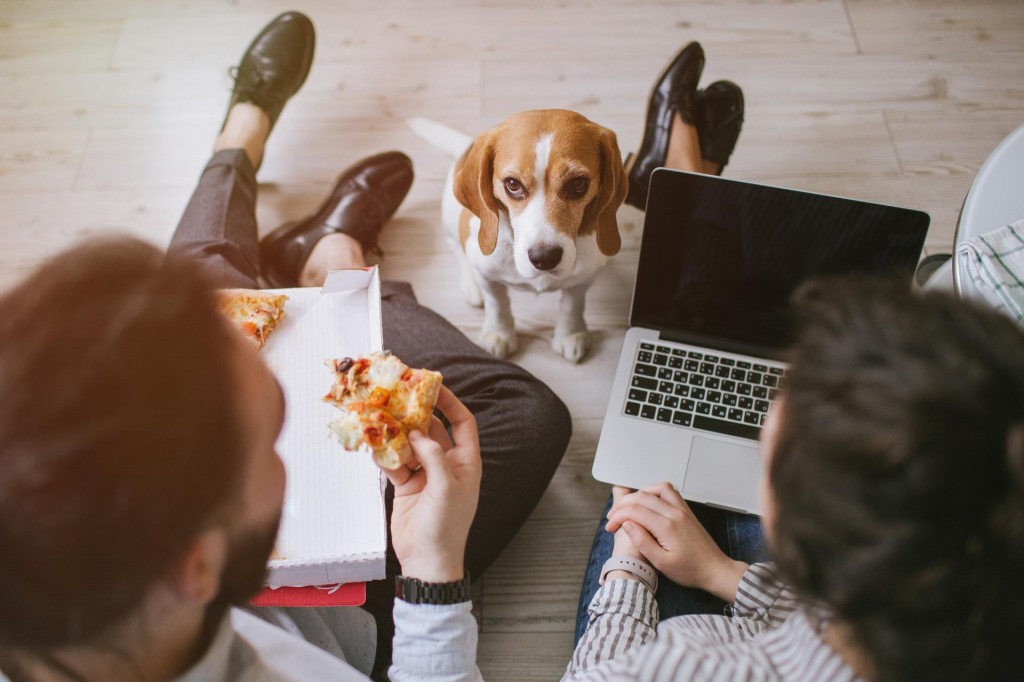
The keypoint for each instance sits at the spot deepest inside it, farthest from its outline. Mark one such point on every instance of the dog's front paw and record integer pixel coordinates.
(573, 346)
(498, 344)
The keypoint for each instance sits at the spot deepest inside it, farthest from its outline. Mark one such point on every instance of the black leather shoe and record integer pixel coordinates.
(675, 91)
(365, 197)
(719, 120)
(275, 65)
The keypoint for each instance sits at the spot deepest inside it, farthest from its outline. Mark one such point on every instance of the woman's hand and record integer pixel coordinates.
(623, 545)
(660, 525)
(435, 505)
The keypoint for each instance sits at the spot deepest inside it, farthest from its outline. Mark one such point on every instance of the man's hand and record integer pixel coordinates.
(434, 506)
(661, 526)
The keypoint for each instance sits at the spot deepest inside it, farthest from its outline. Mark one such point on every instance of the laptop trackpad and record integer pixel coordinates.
(723, 473)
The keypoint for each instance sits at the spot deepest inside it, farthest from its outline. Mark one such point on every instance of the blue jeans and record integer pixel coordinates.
(739, 536)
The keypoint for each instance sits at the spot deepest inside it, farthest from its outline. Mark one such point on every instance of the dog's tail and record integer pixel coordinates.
(441, 136)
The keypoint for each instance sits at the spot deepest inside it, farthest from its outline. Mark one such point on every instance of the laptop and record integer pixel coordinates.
(710, 320)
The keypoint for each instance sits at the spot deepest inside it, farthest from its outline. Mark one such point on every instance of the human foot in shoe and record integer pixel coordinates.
(674, 96)
(719, 122)
(364, 198)
(272, 69)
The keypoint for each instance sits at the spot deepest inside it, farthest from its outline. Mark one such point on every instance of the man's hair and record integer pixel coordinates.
(898, 475)
(119, 436)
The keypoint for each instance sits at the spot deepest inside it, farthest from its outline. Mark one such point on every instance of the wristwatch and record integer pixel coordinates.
(413, 591)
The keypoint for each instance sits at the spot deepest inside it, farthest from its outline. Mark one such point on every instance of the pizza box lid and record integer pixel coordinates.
(333, 528)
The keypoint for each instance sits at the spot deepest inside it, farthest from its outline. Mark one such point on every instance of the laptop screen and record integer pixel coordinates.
(720, 258)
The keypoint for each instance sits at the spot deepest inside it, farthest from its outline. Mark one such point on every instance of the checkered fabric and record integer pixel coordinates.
(994, 264)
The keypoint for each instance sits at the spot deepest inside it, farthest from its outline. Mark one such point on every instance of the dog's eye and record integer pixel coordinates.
(514, 188)
(577, 187)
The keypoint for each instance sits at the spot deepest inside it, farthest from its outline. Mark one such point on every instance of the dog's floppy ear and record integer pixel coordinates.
(474, 188)
(614, 186)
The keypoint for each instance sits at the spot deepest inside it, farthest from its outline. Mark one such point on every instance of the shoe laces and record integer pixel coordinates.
(258, 85)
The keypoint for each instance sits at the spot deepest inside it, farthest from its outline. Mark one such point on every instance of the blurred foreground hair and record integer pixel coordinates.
(119, 442)
(899, 478)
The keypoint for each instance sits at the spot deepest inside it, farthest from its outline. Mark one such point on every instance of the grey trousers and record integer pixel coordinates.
(524, 427)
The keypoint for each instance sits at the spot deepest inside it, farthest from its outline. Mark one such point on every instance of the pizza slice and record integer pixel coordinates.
(382, 400)
(255, 313)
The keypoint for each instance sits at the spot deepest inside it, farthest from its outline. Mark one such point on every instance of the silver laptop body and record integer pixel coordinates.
(704, 357)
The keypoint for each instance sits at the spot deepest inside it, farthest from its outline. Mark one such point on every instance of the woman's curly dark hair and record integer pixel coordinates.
(898, 475)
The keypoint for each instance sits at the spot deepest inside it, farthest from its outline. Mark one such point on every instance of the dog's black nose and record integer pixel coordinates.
(545, 257)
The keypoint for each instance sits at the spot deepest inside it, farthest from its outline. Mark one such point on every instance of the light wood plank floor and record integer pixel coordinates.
(110, 107)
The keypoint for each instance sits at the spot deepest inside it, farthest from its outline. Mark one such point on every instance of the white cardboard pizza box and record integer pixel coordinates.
(332, 525)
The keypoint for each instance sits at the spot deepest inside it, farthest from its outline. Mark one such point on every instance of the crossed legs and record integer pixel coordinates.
(684, 149)
(524, 427)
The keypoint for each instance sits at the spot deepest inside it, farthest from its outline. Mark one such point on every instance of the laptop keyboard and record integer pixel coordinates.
(691, 387)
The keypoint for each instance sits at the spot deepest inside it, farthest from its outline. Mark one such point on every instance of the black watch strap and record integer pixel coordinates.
(413, 591)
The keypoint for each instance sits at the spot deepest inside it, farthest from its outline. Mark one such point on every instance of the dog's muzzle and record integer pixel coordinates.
(545, 257)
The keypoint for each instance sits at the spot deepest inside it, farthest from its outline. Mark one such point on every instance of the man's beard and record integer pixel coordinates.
(244, 574)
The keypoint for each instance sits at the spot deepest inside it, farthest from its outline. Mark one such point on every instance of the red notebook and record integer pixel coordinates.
(349, 594)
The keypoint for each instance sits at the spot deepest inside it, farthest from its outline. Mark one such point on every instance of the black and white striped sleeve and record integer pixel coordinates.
(762, 596)
(623, 616)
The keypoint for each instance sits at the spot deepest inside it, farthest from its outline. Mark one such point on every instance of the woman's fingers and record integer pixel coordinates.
(644, 542)
(618, 492)
(657, 524)
(649, 500)
(667, 492)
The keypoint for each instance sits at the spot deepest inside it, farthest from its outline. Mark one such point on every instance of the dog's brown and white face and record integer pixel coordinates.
(557, 177)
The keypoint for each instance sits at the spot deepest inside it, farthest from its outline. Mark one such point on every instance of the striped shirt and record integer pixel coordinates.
(769, 637)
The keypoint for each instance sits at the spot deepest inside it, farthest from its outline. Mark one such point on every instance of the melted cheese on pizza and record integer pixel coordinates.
(382, 399)
(255, 313)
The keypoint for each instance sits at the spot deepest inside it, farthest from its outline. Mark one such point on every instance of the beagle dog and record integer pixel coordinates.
(532, 204)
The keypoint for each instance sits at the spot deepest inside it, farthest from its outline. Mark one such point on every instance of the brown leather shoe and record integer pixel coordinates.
(675, 91)
(364, 197)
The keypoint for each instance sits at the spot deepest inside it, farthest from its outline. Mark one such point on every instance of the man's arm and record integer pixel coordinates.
(433, 509)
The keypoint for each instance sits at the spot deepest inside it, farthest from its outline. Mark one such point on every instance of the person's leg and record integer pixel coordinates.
(739, 536)
(218, 228)
(683, 151)
(524, 430)
(524, 427)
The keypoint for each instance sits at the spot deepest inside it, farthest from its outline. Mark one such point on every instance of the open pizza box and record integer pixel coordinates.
(333, 525)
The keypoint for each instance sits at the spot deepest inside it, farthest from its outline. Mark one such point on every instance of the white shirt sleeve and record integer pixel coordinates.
(435, 643)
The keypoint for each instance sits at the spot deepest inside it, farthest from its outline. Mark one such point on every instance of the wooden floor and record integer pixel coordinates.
(109, 109)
